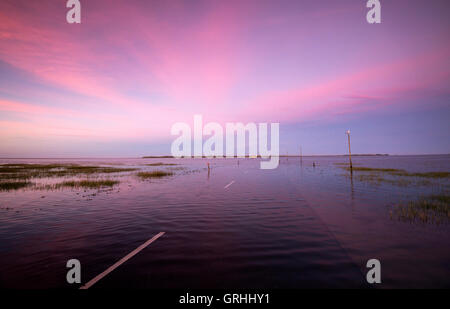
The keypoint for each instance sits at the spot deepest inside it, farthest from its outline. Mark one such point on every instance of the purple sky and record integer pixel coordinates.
(114, 84)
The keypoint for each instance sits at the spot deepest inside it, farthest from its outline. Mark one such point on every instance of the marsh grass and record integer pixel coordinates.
(431, 209)
(14, 185)
(370, 169)
(434, 175)
(28, 171)
(88, 184)
(377, 179)
(398, 177)
(397, 172)
(154, 174)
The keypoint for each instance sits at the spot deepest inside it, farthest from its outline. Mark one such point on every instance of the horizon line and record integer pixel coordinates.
(223, 157)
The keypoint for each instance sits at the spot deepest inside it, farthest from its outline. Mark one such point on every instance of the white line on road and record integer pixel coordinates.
(121, 261)
(228, 184)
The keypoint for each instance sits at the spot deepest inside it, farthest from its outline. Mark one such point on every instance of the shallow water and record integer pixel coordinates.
(295, 226)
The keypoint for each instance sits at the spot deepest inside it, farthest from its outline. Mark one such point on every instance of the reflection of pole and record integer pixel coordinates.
(351, 186)
(349, 150)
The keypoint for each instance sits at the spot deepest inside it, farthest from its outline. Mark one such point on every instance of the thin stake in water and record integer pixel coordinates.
(349, 150)
(228, 184)
(121, 261)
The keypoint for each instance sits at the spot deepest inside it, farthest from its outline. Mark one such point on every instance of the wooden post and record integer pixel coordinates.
(349, 150)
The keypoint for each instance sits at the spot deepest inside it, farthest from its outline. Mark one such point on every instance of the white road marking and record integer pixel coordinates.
(228, 184)
(121, 261)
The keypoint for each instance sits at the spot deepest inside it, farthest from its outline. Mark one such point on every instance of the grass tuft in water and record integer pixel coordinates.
(434, 175)
(392, 176)
(88, 184)
(370, 169)
(397, 172)
(431, 209)
(154, 174)
(13, 185)
(28, 171)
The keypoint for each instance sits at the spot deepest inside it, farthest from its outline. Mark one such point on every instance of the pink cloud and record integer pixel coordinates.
(130, 70)
(329, 97)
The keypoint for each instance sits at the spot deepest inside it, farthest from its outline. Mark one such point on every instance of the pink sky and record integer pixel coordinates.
(131, 69)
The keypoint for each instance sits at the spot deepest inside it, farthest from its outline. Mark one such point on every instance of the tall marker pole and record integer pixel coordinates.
(349, 150)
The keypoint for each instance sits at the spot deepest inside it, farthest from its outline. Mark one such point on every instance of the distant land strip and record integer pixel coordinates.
(255, 157)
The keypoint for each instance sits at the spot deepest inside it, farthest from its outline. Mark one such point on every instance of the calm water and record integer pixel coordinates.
(296, 226)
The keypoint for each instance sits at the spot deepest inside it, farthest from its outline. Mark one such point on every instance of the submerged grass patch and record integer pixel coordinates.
(14, 185)
(370, 169)
(377, 179)
(397, 172)
(154, 174)
(394, 176)
(27, 171)
(428, 175)
(89, 184)
(431, 209)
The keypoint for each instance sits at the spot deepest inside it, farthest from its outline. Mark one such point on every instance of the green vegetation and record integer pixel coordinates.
(428, 175)
(15, 176)
(378, 180)
(431, 209)
(396, 172)
(393, 176)
(445, 199)
(370, 169)
(161, 164)
(88, 184)
(13, 185)
(153, 174)
(28, 171)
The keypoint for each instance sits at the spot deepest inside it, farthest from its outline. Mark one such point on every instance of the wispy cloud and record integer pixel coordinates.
(133, 68)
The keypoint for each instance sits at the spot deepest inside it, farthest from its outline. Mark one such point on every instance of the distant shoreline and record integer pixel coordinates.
(171, 157)
(281, 156)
